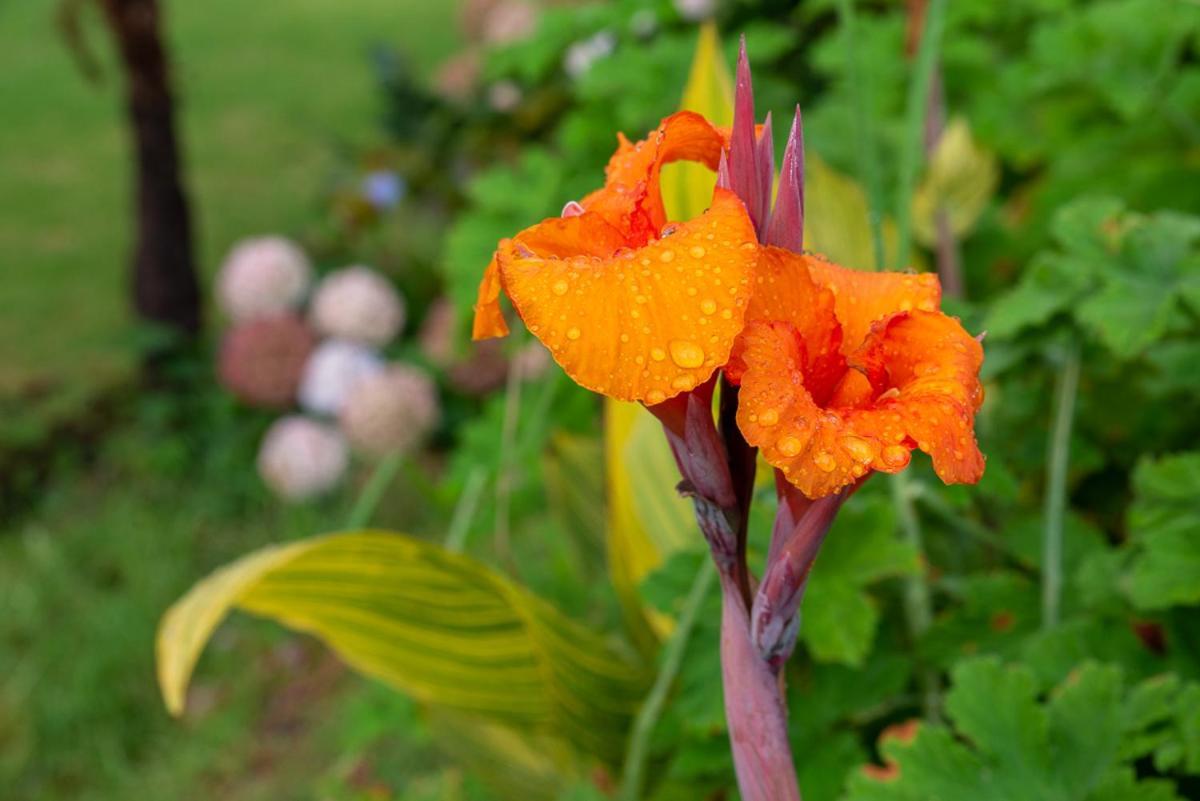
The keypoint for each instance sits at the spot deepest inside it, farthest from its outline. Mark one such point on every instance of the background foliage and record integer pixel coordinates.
(1073, 177)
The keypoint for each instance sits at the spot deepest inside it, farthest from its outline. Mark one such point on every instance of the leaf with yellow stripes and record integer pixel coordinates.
(647, 518)
(437, 625)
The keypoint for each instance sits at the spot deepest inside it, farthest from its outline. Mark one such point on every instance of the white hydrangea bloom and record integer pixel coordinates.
(393, 411)
(333, 372)
(263, 276)
(358, 304)
(300, 458)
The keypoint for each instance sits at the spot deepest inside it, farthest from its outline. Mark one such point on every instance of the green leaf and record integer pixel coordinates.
(1005, 742)
(436, 625)
(838, 616)
(1164, 524)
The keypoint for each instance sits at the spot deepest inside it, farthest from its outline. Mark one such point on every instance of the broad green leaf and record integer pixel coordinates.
(1164, 523)
(960, 180)
(436, 625)
(647, 519)
(1003, 742)
(515, 765)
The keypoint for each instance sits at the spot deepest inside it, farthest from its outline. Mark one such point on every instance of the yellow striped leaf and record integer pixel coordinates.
(439, 626)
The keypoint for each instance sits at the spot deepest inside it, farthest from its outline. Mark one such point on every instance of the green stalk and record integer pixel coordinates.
(1058, 460)
(464, 510)
(914, 124)
(384, 474)
(648, 715)
(868, 160)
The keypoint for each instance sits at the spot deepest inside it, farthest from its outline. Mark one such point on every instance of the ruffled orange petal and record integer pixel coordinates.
(932, 365)
(631, 199)
(489, 320)
(642, 324)
(928, 397)
(865, 298)
(784, 291)
(557, 237)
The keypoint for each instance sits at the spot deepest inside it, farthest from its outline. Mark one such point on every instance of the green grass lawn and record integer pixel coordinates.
(267, 90)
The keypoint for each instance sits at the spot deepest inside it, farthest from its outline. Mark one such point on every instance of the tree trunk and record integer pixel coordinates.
(165, 289)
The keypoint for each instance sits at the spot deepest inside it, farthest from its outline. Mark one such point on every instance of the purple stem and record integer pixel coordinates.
(754, 709)
(773, 620)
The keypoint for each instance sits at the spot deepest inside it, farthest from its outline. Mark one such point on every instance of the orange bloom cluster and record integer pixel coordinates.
(841, 372)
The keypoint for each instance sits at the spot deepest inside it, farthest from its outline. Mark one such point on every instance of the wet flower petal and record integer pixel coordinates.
(784, 291)
(865, 298)
(637, 324)
(489, 319)
(926, 394)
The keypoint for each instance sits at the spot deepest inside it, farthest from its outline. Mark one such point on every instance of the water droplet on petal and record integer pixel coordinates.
(683, 382)
(860, 449)
(697, 252)
(560, 287)
(667, 256)
(708, 306)
(686, 354)
(769, 418)
(788, 446)
(658, 354)
(825, 461)
(572, 333)
(655, 396)
(896, 455)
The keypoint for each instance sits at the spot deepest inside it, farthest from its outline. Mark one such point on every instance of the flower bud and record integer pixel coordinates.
(393, 411)
(261, 360)
(333, 372)
(358, 304)
(262, 276)
(300, 458)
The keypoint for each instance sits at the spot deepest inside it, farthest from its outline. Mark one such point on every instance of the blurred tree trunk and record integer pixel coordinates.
(165, 289)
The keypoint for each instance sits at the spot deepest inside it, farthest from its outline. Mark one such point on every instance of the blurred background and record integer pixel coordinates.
(201, 202)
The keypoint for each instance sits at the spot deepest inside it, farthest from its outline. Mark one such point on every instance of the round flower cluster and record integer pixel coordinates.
(326, 359)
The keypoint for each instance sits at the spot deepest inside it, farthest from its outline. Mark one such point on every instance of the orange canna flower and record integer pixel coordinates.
(630, 306)
(844, 372)
(841, 372)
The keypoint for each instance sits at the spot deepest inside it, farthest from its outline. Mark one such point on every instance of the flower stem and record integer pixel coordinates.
(918, 606)
(1058, 460)
(383, 475)
(868, 160)
(914, 124)
(648, 715)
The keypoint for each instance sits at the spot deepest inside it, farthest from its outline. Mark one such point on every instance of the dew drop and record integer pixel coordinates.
(683, 382)
(825, 461)
(788, 446)
(572, 333)
(769, 418)
(697, 252)
(560, 287)
(686, 354)
(861, 449)
(708, 305)
(726, 314)
(655, 396)
(666, 256)
(658, 354)
(624, 337)
(896, 455)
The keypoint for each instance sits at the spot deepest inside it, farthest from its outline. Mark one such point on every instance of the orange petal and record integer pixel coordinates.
(929, 399)
(784, 291)
(489, 320)
(642, 324)
(557, 237)
(932, 365)
(631, 199)
(864, 298)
